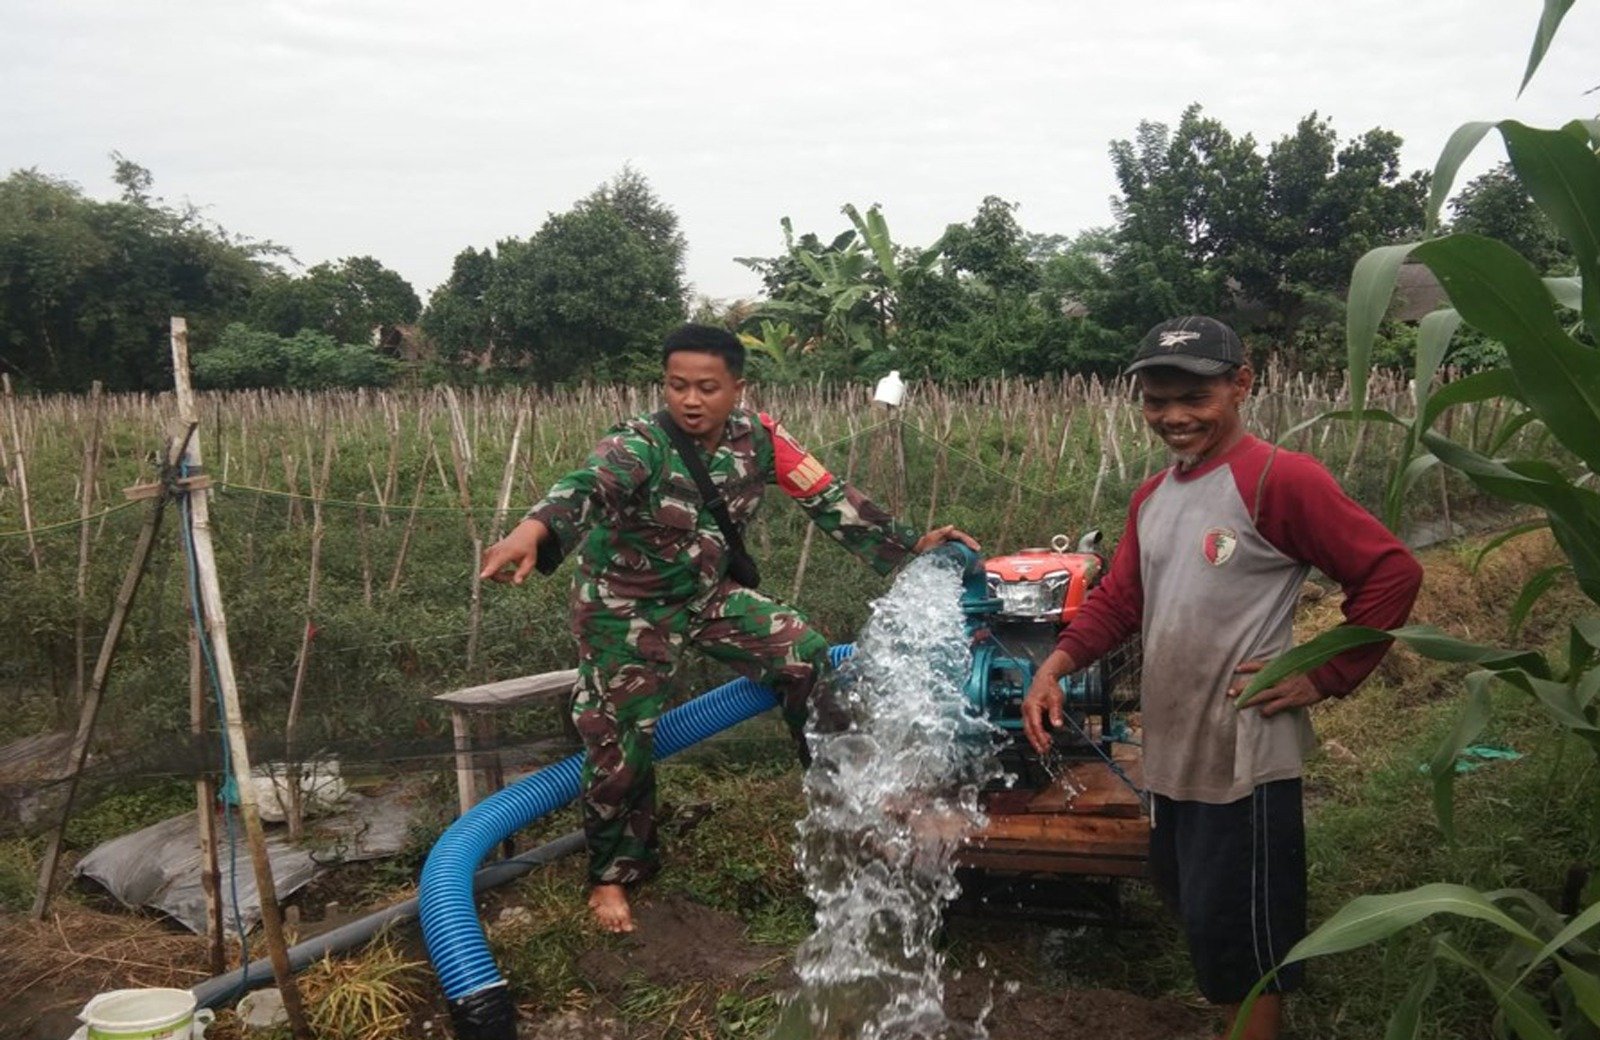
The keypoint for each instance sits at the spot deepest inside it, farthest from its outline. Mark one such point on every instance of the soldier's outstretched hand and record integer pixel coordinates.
(947, 533)
(511, 559)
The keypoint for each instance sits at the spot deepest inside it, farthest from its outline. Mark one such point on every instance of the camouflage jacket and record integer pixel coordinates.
(636, 512)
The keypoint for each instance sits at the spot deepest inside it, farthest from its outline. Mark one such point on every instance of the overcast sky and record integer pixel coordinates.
(409, 130)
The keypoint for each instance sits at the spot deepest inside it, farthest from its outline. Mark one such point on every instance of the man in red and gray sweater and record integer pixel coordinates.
(1209, 570)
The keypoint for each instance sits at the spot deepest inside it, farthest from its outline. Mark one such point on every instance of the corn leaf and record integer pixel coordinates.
(1573, 511)
(1432, 643)
(1371, 289)
(1406, 1021)
(1460, 145)
(1441, 767)
(1549, 21)
(1499, 293)
(1512, 426)
(1563, 176)
(1583, 640)
(1480, 386)
(1346, 415)
(1434, 334)
(1522, 1011)
(1583, 983)
(1307, 656)
(1426, 640)
(1395, 498)
(1532, 590)
(1505, 536)
(1585, 986)
(1367, 919)
(1562, 702)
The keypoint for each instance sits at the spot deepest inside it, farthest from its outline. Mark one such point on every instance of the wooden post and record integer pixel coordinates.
(239, 749)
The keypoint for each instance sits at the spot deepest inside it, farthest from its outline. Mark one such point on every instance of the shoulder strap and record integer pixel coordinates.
(710, 497)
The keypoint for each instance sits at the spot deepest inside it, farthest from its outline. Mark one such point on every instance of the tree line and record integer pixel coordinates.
(1203, 221)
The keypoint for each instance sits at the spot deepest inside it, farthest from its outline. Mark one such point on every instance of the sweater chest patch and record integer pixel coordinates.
(1218, 544)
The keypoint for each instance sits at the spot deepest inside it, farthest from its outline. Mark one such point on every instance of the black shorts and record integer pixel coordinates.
(1235, 875)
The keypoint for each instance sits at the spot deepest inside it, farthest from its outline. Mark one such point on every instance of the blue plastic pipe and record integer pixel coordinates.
(450, 926)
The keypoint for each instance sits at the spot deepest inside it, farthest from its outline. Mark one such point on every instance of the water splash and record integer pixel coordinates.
(889, 801)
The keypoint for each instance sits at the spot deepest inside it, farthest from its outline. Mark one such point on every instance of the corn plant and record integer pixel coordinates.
(1547, 982)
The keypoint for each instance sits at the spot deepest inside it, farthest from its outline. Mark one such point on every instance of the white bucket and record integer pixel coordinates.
(144, 1014)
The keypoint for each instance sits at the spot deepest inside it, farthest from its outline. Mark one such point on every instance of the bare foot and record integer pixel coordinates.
(609, 904)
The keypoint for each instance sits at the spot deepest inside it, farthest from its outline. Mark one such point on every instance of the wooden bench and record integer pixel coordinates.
(471, 720)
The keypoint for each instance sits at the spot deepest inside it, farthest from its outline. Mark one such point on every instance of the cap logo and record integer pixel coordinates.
(1176, 338)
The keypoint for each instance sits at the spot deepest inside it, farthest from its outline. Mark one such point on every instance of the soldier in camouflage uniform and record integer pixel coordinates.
(653, 578)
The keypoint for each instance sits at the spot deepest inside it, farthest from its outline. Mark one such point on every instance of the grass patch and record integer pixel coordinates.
(126, 811)
(19, 873)
(539, 955)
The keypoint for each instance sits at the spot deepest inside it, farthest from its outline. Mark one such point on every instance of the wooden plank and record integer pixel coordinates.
(1053, 863)
(1090, 787)
(1066, 833)
(508, 693)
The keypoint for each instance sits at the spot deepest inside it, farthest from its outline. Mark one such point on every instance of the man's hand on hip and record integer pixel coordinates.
(1297, 691)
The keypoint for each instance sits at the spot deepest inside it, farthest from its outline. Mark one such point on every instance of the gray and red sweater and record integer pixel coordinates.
(1209, 569)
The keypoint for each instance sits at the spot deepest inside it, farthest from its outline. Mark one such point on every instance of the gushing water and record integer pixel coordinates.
(889, 801)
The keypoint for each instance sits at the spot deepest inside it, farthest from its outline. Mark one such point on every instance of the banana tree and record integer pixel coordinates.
(845, 293)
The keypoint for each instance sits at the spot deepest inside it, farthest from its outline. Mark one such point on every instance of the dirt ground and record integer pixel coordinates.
(680, 942)
(48, 970)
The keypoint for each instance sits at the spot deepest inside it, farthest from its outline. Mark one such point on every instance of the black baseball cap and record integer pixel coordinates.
(1194, 343)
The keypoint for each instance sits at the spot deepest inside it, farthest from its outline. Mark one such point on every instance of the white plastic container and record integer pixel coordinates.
(891, 390)
(144, 1014)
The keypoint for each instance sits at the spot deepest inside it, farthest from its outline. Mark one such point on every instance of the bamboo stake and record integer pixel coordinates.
(90, 712)
(239, 750)
(811, 528)
(20, 466)
(205, 798)
(411, 523)
(391, 478)
(5, 449)
(1116, 443)
(941, 462)
(461, 462)
(91, 466)
(292, 770)
(364, 543)
(503, 503)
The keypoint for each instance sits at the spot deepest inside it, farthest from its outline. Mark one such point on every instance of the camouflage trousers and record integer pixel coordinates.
(626, 654)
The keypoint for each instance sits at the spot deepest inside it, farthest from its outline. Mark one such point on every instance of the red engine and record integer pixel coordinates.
(1046, 585)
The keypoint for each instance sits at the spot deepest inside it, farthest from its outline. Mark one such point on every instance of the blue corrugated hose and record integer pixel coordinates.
(456, 943)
